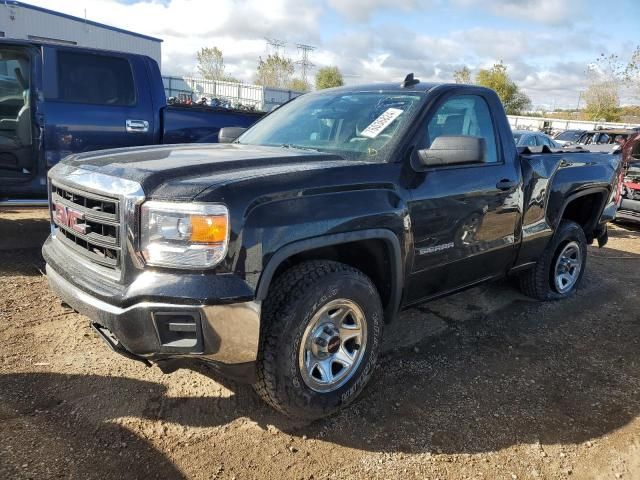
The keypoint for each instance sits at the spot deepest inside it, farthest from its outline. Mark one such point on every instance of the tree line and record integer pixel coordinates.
(274, 71)
(515, 101)
(607, 77)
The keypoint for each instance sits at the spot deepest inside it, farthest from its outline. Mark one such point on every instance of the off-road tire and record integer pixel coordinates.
(538, 281)
(292, 301)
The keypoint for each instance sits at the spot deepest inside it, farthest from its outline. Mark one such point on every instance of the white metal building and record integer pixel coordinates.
(28, 22)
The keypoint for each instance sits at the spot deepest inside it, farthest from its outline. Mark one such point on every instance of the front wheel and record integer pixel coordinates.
(558, 272)
(321, 338)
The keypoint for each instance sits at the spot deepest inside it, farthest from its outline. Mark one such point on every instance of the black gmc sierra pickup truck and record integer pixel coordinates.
(278, 257)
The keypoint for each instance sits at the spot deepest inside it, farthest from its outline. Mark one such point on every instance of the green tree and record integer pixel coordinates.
(632, 71)
(210, 63)
(274, 72)
(612, 66)
(496, 78)
(606, 78)
(602, 96)
(299, 85)
(328, 77)
(230, 78)
(463, 75)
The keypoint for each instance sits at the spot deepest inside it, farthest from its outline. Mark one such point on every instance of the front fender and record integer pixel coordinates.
(274, 231)
(390, 239)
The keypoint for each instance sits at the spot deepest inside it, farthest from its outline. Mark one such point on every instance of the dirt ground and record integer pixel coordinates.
(483, 385)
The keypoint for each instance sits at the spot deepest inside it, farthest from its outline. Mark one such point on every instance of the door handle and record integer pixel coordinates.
(137, 126)
(506, 184)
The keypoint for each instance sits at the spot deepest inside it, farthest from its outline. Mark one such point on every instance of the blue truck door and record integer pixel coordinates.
(464, 217)
(20, 172)
(93, 101)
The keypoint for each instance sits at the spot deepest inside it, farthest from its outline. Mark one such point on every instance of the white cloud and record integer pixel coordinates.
(361, 10)
(380, 56)
(238, 28)
(540, 11)
(364, 52)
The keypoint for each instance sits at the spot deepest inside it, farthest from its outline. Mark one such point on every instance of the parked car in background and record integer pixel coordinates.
(525, 138)
(278, 258)
(630, 205)
(57, 100)
(631, 149)
(604, 140)
(568, 137)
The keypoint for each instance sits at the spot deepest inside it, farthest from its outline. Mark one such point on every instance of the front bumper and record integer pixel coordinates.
(225, 336)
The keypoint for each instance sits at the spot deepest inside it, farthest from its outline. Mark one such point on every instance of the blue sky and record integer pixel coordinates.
(546, 44)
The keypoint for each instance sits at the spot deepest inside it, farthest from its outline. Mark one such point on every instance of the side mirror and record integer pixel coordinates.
(229, 134)
(453, 150)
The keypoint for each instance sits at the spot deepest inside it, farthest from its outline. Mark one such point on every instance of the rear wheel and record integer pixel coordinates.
(559, 270)
(321, 337)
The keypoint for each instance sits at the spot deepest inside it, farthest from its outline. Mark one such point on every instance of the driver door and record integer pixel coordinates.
(463, 216)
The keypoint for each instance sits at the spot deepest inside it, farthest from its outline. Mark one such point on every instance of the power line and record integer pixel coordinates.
(304, 62)
(275, 45)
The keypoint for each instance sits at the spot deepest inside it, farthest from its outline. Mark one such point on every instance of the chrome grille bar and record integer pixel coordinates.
(109, 206)
(88, 223)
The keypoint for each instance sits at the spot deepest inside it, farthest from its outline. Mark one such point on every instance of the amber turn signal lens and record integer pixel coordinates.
(208, 228)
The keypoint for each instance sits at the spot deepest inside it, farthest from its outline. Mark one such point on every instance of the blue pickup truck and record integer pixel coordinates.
(57, 100)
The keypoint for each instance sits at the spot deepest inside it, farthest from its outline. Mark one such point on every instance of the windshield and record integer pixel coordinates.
(569, 136)
(517, 137)
(355, 125)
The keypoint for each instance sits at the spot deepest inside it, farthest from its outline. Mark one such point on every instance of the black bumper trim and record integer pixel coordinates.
(230, 333)
(115, 345)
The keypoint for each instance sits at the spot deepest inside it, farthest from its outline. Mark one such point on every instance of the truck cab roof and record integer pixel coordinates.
(420, 87)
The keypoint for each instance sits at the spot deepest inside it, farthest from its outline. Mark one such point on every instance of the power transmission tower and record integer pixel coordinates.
(304, 62)
(275, 45)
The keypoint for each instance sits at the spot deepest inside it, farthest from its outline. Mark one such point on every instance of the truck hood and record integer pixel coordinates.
(183, 171)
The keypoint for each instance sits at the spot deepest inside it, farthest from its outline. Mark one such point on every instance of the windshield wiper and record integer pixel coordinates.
(291, 145)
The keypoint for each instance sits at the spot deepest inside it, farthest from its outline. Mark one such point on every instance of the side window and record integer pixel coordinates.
(529, 141)
(542, 140)
(13, 75)
(95, 79)
(465, 115)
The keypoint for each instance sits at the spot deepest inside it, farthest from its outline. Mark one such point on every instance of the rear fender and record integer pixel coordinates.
(591, 227)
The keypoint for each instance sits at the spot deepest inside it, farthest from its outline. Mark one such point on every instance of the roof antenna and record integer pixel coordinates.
(409, 81)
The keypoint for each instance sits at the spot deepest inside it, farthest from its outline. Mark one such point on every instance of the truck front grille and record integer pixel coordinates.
(87, 223)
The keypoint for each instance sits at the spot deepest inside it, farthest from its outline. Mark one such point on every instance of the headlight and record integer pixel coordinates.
(184, 235)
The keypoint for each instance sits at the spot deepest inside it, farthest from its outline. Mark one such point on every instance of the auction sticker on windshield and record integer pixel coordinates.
(379, 124)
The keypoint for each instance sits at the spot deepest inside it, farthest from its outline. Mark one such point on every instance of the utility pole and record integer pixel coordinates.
(578, 106)
(304, 62)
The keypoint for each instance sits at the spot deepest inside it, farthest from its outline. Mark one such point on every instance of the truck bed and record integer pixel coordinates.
(194, 124)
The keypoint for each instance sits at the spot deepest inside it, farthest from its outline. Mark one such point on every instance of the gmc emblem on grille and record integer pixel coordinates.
(68, 217)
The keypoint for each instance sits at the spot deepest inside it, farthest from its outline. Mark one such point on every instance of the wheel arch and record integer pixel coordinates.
(585, 208)
(366, 244)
